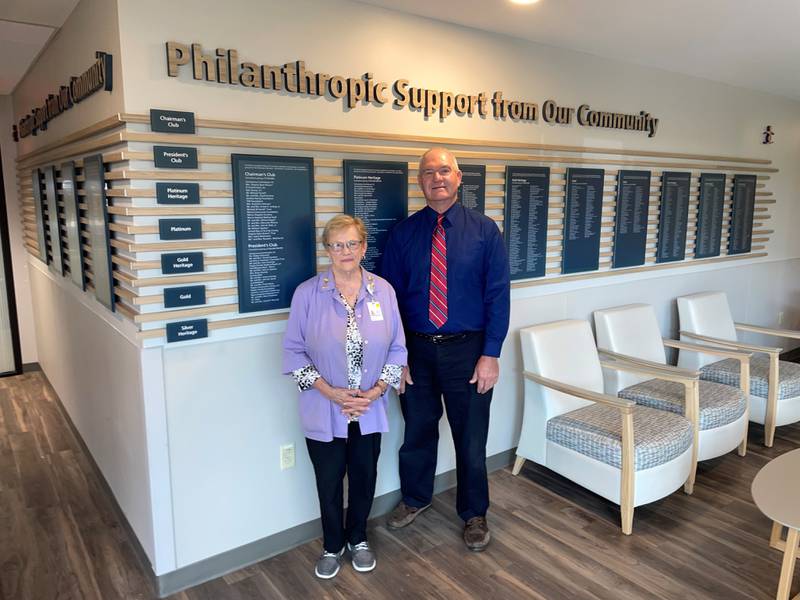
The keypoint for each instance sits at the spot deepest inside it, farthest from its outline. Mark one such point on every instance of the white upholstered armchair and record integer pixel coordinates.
(633, 332)
(629, 454)
(774, 384)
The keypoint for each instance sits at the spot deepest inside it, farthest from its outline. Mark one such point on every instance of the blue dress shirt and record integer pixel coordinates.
(478, 281)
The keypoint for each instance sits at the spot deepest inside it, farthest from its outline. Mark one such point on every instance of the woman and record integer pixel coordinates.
(345, 347)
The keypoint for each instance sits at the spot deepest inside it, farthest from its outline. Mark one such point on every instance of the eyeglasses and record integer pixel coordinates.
(442, 172)
(352, 245)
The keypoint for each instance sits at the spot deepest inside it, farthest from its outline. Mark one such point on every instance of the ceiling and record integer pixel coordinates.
(743, 43)
(25, 28)
(748, 44)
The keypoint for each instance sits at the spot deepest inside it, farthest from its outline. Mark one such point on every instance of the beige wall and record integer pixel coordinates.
(91, 27)
(349, 39)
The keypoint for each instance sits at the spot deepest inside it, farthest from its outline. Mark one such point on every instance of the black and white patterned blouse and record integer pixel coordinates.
(354, 348)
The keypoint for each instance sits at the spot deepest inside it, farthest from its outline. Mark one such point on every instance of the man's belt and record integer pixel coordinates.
(445, 338)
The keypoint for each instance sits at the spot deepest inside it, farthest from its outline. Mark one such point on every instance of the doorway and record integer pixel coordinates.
(10, 354)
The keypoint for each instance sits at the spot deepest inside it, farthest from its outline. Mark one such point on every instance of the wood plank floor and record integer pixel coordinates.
(61, 539)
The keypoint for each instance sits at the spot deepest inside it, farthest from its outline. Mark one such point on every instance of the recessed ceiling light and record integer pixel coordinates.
(524, 1)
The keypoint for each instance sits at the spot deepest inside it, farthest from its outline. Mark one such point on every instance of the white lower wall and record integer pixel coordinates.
(229, 408)
(95, 369)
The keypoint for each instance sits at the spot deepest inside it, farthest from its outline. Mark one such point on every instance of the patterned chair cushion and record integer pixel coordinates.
(596, 431)
(727, 372)
(719, 404)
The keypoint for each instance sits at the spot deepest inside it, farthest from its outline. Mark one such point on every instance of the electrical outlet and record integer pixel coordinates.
(780, 318)
(287, 457)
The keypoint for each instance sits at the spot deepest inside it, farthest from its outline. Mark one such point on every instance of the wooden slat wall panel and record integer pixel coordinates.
(131, 178)
(75, 147)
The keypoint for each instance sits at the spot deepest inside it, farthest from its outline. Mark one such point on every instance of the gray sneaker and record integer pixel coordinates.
(329, 564)
(363, 556)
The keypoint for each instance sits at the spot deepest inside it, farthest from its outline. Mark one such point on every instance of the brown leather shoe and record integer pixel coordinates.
(476, 534)
(403, 515)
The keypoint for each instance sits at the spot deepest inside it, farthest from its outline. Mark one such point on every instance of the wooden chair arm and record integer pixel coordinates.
(689, 379)
(623, 362)
(628, 454)
(715, 350)
(625, 406)
(785, 333)
(730, 344)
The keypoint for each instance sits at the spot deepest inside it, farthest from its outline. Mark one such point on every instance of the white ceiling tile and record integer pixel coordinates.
(19, 46)
(39, 12)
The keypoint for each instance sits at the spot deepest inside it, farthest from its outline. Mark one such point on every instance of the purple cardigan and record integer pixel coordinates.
(315, 334)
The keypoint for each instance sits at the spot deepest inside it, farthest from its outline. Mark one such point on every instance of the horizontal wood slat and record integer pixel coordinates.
(201, 140)
(436, 140)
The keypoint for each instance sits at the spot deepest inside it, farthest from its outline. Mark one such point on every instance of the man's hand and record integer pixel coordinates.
(405, 378)
(486, 373)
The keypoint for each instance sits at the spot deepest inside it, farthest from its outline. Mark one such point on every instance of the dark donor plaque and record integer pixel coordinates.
(171, 121)
(94, 187)
(744, 198)
(177, 193)
(377, 192)
(36, 182)
(190, 295)
(525, 220)
(72, 221)
(582, 212)
(183, 331)
(673, 216)
(184, 262)
(56, 251)
(708, 236)
(180, 229)
(630, 227)
(472, 191)
(273, 205)
(175, 157)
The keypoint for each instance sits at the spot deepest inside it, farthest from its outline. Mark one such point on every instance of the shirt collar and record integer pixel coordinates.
(328, 284)
(431, 215)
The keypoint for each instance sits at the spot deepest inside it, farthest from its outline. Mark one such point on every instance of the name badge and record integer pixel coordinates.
(374, 309)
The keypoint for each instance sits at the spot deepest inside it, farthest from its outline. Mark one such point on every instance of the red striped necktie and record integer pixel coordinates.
(437, 306)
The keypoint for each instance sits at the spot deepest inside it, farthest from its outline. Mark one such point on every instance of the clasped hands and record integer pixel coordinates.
(354, 403)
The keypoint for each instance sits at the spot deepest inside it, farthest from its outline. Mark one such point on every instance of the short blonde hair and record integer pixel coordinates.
(340, 222)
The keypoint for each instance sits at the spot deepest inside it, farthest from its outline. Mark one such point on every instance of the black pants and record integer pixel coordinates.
(358, 457)
(444, 369)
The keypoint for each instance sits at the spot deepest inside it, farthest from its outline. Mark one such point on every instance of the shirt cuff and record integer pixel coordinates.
(305, 377)
(390, 374)
(492, 348)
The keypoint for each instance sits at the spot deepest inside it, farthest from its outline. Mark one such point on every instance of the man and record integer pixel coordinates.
(449, 268)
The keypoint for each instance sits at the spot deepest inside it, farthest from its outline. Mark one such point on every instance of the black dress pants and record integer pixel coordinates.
(444, 370)
(358, 457)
